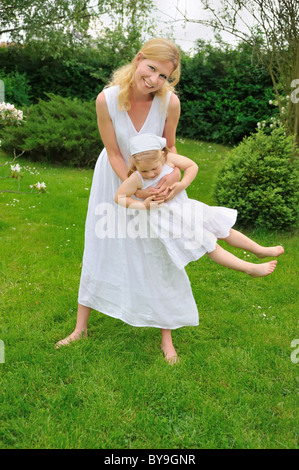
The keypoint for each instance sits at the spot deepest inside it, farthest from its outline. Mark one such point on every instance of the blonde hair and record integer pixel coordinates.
(158, 49)
(147, 156)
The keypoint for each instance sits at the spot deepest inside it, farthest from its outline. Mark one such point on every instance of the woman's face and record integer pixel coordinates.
(150, 75)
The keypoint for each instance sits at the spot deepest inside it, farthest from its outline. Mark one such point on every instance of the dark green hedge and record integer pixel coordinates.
(223, 93)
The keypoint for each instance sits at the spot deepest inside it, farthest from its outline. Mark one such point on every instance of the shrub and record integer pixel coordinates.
(59, 130)
(17, 88)
(259, 179)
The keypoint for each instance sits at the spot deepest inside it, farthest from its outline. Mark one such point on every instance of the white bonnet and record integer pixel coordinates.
(144, 142)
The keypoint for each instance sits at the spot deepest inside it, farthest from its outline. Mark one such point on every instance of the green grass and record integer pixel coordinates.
(235, 387)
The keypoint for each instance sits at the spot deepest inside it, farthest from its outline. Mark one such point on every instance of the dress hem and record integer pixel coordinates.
(87, 304)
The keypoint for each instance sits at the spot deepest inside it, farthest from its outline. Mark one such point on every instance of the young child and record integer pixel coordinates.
(187, 228)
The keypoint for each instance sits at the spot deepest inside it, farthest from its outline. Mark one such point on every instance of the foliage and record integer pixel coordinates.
(60, 130)
(80, 73)
(68, 23)
(223, 95)
(271, 29)
(17, 88)
(259, 179)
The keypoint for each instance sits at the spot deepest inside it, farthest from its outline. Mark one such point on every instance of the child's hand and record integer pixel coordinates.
(163, 187)
(151, 203)
(144, 193)
(175, 189)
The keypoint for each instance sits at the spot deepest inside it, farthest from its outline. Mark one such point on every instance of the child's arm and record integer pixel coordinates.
(189, 168)
(127, 189)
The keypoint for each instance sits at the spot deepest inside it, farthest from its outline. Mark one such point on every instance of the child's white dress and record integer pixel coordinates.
(126, 277)
(187, 228)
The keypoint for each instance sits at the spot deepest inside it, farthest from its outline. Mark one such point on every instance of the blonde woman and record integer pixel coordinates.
(120, 274)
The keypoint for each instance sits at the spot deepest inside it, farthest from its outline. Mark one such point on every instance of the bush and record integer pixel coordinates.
(259, 179)
(60, 130)
(223, 94)
(17, 89)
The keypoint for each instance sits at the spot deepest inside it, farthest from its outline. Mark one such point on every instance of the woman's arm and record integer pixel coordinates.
(109, 138)
(127, 189)
(171, 123)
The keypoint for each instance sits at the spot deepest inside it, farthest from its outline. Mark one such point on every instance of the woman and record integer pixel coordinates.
(118, 270)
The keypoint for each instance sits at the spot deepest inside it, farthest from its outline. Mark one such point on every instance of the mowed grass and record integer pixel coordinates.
(235, 386)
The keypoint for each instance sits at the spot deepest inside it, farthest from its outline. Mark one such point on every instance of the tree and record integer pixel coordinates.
(271, 27)
(63, 23)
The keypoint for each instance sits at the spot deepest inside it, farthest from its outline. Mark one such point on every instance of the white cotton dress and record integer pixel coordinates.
(128, 277)
(186, 227)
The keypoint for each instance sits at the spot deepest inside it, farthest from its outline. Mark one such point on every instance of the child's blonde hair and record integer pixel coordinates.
(158, 49)
(147, 156)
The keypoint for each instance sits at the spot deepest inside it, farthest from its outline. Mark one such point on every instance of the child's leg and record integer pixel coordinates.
(223, 257)
(167, 347)
(238, 240)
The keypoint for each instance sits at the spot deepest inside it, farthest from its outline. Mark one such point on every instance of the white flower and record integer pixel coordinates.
(15, 168)
(40, 186)
(270, 102)
(10, 113)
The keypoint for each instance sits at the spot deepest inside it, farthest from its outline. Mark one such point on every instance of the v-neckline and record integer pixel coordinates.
(146, 119)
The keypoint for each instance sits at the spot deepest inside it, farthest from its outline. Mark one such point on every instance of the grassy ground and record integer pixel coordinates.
(235, 387)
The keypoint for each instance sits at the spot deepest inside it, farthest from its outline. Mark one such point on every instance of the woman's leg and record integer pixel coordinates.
(167, 347)
(239, 240)
(223, 257)
(81, 326)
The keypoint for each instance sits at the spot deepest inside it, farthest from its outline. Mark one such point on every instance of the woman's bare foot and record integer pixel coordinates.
(75, 336)
(270, 251)
(170, 354)
(260, 270)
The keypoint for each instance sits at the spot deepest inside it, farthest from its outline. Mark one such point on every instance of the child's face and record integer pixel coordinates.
(150, 170)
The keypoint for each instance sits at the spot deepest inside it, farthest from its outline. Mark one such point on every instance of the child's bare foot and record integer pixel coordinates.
(270, 251)
(75, 336)
(170, 354)
(260, 270)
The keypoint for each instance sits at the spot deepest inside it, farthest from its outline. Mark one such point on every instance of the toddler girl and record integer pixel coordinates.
(187, 229)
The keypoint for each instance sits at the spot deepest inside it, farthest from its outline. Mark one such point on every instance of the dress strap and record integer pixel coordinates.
(142, 180)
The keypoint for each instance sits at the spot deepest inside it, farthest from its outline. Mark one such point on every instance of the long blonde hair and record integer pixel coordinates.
(147, 156)
(158, 49)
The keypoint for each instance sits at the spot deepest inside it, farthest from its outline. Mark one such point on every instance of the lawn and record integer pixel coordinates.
(235, 386)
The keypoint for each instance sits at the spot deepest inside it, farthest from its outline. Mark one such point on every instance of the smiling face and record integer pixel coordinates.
(150, 75)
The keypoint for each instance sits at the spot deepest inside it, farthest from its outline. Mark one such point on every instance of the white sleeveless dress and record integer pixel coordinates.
(126, 277)
(186, 227)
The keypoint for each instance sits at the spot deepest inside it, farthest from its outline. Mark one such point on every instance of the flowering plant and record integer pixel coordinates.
(280, 118)
(40, 186)
(9, 113)
(15, 170)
